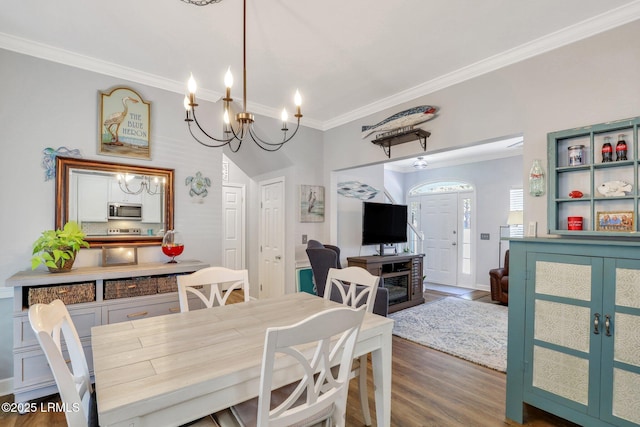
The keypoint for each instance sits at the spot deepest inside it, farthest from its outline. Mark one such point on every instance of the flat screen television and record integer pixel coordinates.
(383, 223)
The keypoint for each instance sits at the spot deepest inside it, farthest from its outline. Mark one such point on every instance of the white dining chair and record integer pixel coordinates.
(50, 322)
(213, 285)
(53, 326)
(313, 346)
(355, 287)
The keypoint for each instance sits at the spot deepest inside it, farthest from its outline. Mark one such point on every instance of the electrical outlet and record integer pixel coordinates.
(484, 236)
(304, 239)
(532, 231)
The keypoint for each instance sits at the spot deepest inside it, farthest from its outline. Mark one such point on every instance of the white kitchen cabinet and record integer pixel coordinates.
(152, 208)
(93, 191)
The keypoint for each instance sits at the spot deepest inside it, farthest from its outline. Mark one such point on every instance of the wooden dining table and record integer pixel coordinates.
(176, 368)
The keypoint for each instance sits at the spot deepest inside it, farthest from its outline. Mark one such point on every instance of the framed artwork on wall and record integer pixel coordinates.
(124, 124)
(311, 203)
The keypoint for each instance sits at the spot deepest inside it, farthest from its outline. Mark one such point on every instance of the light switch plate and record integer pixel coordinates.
(484, 236)
(532, 230)
(304, 239)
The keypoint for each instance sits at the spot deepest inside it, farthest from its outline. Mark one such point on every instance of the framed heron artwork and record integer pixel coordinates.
(311, 203)
(124, 124)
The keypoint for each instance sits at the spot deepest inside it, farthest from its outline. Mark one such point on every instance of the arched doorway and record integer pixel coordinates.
(444, 212)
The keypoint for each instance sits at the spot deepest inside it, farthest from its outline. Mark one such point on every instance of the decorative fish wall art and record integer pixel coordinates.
(411, 117)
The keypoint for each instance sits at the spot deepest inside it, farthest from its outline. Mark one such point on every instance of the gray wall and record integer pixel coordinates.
(46, 104)
(590, 81)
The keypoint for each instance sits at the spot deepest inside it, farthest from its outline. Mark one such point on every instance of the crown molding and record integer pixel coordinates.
(587, 28)
(582, 30)
(73, 59)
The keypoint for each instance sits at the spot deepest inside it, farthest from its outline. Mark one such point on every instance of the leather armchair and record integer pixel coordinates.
(499, 279)
(322, 258)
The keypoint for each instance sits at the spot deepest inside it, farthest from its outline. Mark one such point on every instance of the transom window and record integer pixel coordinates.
(440, 187)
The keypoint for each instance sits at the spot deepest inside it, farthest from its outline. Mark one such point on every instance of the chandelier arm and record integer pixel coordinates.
(127, 190)
(269, 146)
(222, 144)
(195, 119)
(260, 143)
(254, 136)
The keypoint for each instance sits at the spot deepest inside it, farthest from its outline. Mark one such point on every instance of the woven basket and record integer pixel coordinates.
(167, 284)
(134, 287)
(69, 294)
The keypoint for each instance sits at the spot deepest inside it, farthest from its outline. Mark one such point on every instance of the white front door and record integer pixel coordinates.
(440, 226)
(271, 232)
(233, 223)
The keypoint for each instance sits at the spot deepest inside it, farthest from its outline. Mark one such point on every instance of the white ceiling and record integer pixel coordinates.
(482, 151)
(349, 58)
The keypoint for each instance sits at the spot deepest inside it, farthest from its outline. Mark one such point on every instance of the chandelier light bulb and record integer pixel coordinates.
(297, 99)
(225, 117)
(284, 115)
(191, 85)
(187, 105)
(228, 78)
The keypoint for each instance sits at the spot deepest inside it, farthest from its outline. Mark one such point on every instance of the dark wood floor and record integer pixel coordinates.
(429, 388)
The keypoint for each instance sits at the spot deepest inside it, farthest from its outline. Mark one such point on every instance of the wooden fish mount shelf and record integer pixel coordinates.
(387, 140)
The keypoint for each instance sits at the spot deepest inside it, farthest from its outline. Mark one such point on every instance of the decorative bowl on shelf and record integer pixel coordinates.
(172, 245)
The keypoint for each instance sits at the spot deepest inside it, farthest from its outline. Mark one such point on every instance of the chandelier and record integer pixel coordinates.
(145, 184)
(235, 133)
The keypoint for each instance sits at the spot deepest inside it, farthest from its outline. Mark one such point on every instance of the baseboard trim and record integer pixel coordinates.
(6, 386)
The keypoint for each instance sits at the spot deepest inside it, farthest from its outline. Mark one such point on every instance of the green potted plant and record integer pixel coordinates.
(57, 249)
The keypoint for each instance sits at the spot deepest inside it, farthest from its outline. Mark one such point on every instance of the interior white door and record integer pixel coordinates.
(271, 232)
(233, 222)
(440, 227)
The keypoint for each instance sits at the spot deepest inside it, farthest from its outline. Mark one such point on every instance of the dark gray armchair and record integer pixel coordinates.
(322, 258)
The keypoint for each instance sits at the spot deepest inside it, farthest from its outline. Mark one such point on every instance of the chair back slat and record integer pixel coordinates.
(311, 346)
(355, 286)
(207, 284)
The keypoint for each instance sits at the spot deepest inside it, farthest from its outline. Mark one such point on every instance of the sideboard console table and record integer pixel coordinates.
(94, 296)
(400, 274)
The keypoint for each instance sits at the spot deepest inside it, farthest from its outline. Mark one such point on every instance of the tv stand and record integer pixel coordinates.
(400, 274)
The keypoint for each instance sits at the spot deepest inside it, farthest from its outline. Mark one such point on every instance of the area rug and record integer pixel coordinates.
(471, 330)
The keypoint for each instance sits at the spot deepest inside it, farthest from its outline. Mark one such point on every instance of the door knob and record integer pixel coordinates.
(453, 243)
(278, 257)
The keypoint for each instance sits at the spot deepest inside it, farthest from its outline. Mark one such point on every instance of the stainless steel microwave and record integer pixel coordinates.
(130, 211)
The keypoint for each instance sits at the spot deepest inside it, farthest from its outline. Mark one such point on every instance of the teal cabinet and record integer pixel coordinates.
(574, 330)
(577, 165)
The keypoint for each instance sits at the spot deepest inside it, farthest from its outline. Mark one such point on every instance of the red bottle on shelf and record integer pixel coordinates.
(621, 148)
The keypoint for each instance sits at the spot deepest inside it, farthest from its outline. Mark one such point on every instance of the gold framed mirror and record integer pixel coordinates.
(115, 204)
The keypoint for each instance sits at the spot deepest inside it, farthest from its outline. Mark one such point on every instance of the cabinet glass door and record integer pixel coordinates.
(562, 352)
(621, 343)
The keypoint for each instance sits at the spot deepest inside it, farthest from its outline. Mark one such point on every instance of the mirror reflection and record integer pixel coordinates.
(115, 203)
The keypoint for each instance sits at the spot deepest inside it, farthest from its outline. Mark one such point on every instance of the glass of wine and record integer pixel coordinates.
(172, 245)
